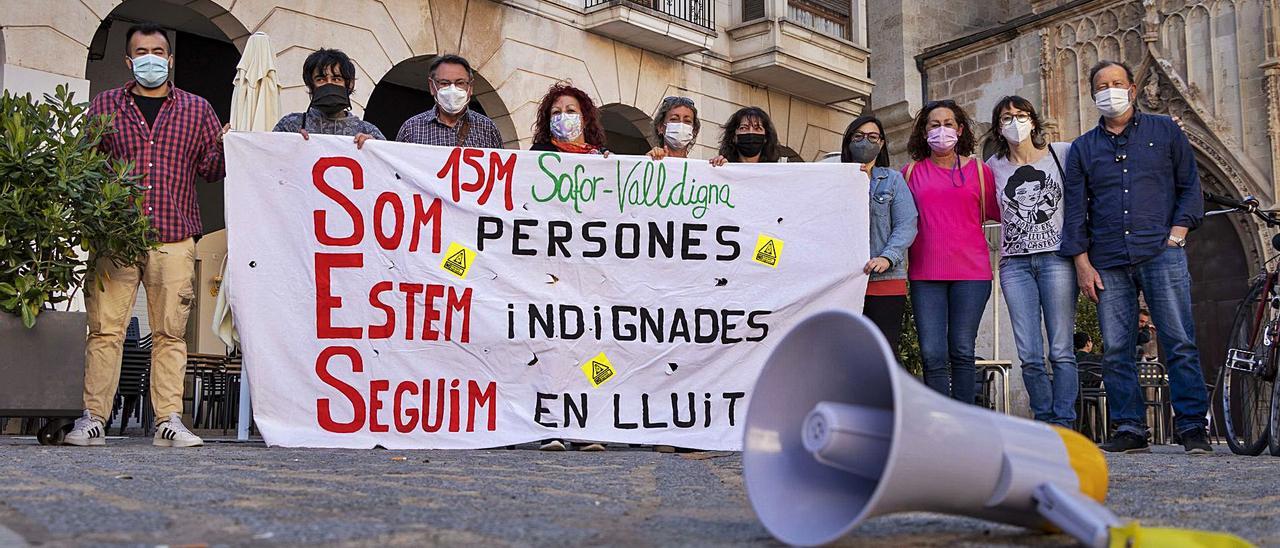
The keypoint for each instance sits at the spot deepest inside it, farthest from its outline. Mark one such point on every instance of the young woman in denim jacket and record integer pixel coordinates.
(893, 226)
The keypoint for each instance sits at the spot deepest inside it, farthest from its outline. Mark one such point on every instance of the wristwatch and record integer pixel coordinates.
(1178, 240)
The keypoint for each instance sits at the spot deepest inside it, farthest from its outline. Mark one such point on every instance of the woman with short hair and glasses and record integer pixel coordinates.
(675, 126)
(1036, 282)
(949, 264)
(893, 226)
(748, 137)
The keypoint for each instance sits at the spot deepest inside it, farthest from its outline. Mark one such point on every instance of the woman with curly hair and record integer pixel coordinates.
(948, 264)
(568, 121)
(748, 137)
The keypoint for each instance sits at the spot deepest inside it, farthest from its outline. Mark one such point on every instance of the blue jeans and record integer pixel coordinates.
(1036, 286)
(1166, 284)
(947, 315)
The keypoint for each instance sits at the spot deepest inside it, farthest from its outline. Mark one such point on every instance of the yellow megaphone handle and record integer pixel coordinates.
(1132, 535)
(1095, 526)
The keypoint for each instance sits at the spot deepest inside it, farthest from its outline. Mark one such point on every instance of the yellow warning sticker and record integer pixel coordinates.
(768, 251)
(458, 260)
(598, 370)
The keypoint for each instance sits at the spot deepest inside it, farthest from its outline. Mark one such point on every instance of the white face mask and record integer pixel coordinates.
(1112, 102)
(452, 99)
(1016, 132)
(678, 135)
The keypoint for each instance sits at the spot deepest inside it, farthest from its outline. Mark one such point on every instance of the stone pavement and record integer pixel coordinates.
(130, 493)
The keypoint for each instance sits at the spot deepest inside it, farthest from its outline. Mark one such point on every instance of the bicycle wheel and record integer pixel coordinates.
(1246, 378)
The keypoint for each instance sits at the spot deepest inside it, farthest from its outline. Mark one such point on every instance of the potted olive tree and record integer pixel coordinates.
(62, 200)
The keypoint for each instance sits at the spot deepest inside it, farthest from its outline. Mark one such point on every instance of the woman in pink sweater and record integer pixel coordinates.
(949, 264)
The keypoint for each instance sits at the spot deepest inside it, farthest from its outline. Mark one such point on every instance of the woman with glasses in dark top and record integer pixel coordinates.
(748, 137)
(675, 126)
(950, 264)
(893, 226)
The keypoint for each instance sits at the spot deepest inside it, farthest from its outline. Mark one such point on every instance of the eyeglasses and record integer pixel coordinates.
(873, 138)
(1007, 119)
(446, 83)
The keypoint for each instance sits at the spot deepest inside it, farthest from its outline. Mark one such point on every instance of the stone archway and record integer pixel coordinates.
(404, 92)
(627, 129)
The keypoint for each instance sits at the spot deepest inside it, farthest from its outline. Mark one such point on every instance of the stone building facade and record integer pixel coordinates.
(1213, 63)
(804, 61)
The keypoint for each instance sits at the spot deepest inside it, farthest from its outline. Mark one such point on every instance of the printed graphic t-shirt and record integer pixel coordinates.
(1030, 200)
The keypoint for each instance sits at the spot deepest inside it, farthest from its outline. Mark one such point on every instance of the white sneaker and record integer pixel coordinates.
(172, 433)
(553, 445)
(87, 431)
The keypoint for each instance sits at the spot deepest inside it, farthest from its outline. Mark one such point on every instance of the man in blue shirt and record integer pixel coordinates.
(1132, 193)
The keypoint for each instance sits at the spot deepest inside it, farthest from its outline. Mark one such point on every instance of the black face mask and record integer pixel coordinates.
(749, 144)
(330, 99)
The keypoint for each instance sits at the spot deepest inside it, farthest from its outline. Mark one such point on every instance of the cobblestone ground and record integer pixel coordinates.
(130, 493)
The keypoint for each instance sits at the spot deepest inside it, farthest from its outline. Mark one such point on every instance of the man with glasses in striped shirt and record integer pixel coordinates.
(451, 123)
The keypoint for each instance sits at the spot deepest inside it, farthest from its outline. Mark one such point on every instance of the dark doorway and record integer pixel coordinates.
(623, 131)
(207, 68)
(1220, 273)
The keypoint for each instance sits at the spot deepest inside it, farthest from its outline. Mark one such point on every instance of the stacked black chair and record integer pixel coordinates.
(213, 400)
(982, 392)
(234, 371)
(133, 395)
(1091, 407)
(1154, 384)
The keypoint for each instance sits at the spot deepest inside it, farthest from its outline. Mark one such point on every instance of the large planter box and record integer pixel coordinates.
(42, 368)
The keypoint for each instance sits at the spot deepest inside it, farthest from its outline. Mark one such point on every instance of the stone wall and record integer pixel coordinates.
(902, 29)
(978, 79)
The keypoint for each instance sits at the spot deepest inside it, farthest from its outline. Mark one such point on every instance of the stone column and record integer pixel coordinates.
(1271, 70)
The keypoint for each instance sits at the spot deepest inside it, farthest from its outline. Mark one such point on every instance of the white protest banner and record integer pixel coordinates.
(428, 297)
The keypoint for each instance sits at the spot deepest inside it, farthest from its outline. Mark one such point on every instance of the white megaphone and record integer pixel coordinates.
(837, 432)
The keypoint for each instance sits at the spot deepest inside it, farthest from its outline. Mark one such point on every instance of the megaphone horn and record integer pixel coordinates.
(837, 432)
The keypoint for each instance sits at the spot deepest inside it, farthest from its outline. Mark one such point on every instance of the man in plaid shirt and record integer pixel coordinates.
(451, 123)
(171, 136)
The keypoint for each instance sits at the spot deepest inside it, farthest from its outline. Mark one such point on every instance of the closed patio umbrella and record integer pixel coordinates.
(255, 106)
(255, 103)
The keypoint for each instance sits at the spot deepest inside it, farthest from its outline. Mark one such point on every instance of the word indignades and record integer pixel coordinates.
(637, 323)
